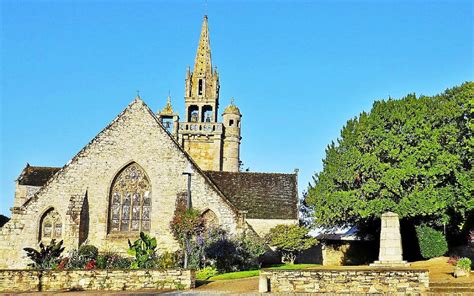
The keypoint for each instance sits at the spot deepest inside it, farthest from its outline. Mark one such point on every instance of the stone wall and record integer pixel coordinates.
(349, 281)
(82, 280)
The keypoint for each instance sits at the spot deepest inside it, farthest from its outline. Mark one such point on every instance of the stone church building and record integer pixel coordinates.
(128, 177)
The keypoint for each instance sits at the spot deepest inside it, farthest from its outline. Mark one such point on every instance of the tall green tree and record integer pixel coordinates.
(412, 156)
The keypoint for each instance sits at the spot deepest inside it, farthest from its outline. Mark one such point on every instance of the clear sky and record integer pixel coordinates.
(298, 70)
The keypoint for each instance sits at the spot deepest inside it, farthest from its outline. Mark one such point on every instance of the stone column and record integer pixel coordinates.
(390, 253)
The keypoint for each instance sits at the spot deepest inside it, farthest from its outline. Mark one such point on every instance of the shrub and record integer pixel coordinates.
(290, 240)
(144, 251)
(235, 253)
(76, 260)
(112, 261)
(167, 260)
(89, 251)
(432, 242)
(224, 252)
(47, 257)
(464, 263)
(206, 272)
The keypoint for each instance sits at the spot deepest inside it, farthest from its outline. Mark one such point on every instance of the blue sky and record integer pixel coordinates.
(298, 70)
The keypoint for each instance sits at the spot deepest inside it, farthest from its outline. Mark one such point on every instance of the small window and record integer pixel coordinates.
(231, 122)
(200, 87)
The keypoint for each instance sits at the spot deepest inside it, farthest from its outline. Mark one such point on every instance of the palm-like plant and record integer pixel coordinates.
(46, 257)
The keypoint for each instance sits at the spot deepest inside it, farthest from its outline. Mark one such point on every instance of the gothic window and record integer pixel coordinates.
(200, 87)
(51, 226)
(231, 122)
(210, 219)
(130, 201)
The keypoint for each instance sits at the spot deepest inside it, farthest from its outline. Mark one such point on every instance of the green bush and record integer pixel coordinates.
(111, 260)
(464, 263)
(144, 251)
(167, 260)
(206, 272)
(89, 251)
(432, 242)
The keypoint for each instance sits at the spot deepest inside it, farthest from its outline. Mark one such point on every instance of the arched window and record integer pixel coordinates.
(210, 219)
(130, 201)
(193, 113)
(207, 114)
(200, 87)
(51, 226)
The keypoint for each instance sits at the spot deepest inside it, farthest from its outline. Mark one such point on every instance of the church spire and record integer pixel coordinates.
(202, 63)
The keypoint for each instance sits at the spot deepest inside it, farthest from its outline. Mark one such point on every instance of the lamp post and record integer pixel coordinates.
(188, 172)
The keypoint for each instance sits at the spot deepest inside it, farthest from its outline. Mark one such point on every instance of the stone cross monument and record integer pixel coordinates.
(390, 254)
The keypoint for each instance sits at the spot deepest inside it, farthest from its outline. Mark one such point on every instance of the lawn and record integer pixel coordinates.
(250, 273)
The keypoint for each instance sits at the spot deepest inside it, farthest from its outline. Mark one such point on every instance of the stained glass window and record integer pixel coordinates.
(130, 201)
(51, 226)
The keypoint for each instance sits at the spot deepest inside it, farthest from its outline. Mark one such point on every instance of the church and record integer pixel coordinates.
(128, 177)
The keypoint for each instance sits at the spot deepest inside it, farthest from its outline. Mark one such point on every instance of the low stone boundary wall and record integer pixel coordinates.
(108, 280)
(349, 281)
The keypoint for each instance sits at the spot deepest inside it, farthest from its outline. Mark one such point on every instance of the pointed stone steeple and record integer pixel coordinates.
(202, 83)
(202, 63)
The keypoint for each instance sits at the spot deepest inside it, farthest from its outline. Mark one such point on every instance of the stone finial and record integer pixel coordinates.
(168, 110)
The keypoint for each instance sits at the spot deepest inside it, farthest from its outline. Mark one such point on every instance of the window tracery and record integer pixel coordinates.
(51, 226)
(130, 201)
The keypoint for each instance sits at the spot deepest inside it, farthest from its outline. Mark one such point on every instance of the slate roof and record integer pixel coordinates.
(36, 176)
(263, 195)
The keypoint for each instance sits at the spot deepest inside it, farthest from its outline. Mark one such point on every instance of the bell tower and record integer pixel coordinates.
(202, 85)
(215, 146)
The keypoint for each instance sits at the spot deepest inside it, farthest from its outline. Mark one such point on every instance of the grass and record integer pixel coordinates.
(235, 275)
(248, 273)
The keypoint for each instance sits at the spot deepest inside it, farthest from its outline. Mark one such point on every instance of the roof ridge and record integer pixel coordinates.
(261, 173)
(43, 167)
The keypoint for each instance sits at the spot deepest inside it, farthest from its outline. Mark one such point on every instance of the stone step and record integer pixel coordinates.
(441, 285)
(450, 293)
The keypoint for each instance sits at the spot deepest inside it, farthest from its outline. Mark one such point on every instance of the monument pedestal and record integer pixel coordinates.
(390, 254)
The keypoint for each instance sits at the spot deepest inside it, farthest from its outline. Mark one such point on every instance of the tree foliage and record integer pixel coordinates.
(411, 156)
(290, 240)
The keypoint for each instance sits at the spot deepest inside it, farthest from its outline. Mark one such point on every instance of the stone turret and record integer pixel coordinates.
(169, 119)
(231, 152)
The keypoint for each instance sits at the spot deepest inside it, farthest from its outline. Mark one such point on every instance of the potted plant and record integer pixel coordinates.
(462, 268)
